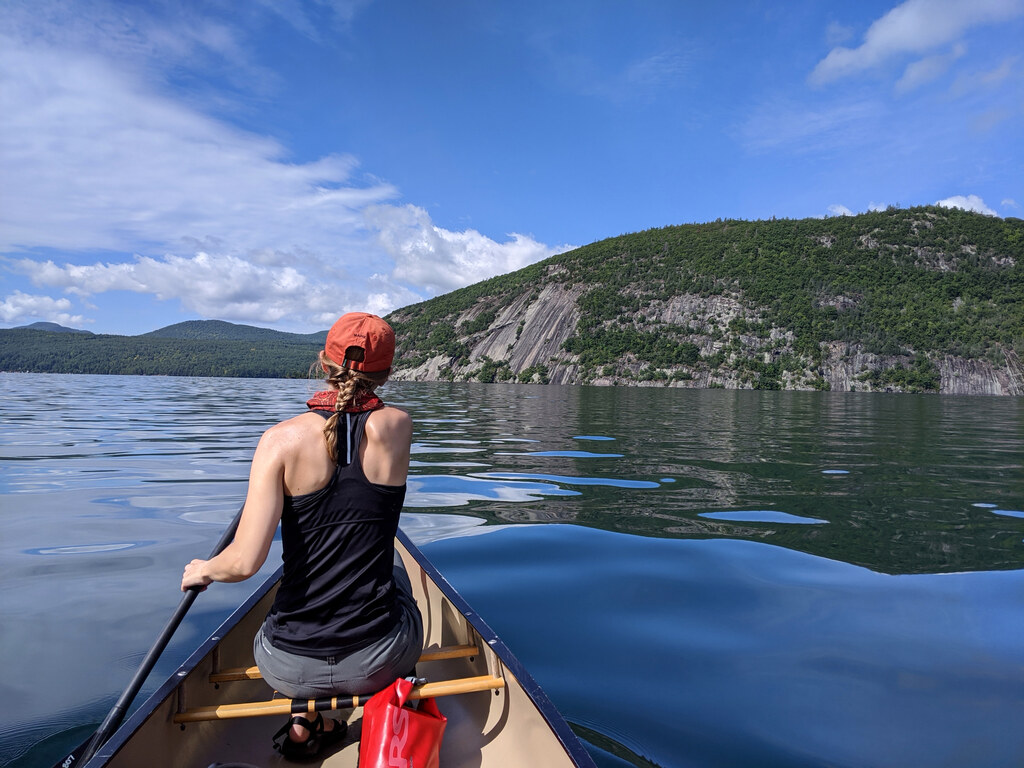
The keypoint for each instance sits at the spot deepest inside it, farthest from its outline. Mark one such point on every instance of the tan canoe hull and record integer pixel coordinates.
(508, 723)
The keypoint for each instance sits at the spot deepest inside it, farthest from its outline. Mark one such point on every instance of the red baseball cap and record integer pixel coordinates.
(362, 342)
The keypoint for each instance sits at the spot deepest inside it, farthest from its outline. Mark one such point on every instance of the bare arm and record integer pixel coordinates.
(260, 516)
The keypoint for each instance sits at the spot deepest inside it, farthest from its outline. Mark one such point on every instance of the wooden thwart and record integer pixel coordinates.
(253, 673)
(290, 706)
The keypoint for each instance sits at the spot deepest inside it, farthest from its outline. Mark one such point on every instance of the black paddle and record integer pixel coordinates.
(87, 749)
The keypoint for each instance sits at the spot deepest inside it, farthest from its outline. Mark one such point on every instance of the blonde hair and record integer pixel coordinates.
(348, 382)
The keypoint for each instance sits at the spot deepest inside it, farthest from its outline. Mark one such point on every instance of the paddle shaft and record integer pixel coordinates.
(117, 713)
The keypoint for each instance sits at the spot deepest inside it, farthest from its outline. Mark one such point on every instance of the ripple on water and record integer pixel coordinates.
(763, 516)
(1008, 512)
(592, 437)
(448, 464)
(569, 480)
(424, 448)
(86, 549)
(576, 454)
(458, 490)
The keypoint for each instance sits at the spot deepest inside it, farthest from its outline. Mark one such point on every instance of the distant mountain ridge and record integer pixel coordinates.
(51, 327)
(192, 348)
(221, 330)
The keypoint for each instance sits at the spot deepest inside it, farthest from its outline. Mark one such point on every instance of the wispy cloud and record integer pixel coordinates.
(188, 207)
(927, 69)
(914, 27)
(308, 17)
(642, 78)
(837, 33)
(985, 80)
(786, 123)
(101, 161)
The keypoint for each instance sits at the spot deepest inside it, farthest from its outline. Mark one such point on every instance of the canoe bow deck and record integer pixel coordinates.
(216, 709)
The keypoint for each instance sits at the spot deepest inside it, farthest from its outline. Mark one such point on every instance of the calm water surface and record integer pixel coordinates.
(696, 578)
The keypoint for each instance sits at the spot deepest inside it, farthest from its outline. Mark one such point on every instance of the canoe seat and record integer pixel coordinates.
(301, 706)
(235, 674)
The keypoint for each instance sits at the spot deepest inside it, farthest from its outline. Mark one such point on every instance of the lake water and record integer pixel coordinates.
(696, 578)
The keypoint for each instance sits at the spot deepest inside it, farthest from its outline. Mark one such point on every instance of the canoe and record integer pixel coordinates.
(215, 709)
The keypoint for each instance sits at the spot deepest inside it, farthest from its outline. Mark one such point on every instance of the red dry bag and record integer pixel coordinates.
(397, 736)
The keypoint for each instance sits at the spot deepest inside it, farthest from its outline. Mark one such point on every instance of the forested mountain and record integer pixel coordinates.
(921, 299)
(197, 348)
(917, 300)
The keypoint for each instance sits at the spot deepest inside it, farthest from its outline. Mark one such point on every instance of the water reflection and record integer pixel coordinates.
(895, 476)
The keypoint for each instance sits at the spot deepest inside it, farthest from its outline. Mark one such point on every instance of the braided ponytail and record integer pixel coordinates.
(348, 382)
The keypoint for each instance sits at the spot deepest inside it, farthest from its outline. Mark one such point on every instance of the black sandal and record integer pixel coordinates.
(312, 746)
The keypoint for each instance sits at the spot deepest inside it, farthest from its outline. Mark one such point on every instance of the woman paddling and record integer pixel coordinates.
(344, 621)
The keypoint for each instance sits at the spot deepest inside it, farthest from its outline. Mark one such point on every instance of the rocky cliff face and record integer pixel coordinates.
(525, 342)
(526, 335)
(846, 367)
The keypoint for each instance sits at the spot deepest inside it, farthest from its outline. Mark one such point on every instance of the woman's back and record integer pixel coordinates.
(337, 590)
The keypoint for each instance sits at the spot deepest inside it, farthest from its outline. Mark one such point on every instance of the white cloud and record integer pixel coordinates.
(913, 27)
(440, 260)
(24, 308)
(1009, 202)
(968, 203)
(105, 158)
(839, 210)
(873, 206)
(227, 287)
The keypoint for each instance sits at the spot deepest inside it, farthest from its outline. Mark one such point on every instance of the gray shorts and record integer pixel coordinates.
(367, 670)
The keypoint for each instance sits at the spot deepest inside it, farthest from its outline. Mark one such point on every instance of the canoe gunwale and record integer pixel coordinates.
(574, 749)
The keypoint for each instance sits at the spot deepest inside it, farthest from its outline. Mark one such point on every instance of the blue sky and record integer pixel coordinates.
(280, 162)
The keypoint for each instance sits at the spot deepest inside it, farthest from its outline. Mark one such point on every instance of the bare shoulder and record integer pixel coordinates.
(388, 424)
(291, 432)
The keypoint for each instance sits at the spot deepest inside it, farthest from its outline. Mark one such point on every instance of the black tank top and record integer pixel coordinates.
(337, 593)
